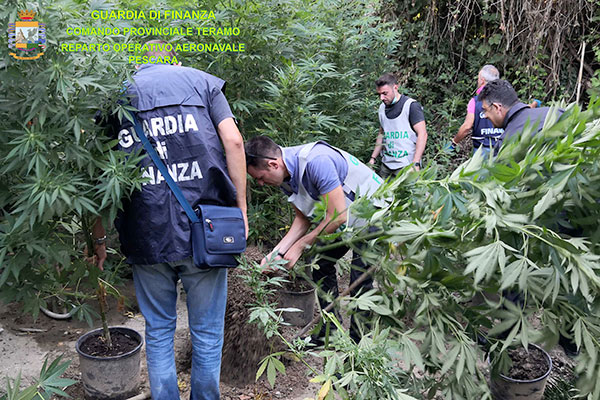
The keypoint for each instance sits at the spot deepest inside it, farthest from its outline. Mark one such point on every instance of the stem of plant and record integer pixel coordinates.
(368, 236)
(102, 302)
(353, 286)
(100, 291)
(289, 345)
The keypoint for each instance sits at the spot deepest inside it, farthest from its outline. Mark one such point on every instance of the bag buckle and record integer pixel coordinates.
(228, 239)
(210, 224)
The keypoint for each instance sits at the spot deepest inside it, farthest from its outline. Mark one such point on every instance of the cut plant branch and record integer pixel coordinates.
(335, 301)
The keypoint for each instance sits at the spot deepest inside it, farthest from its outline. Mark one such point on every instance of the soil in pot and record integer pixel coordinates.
(122, 343)
(297, 285)
(527, 365)
(526, 379)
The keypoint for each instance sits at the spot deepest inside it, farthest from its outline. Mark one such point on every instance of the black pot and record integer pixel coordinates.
(506, 388)
(303, 301)
(114, 377)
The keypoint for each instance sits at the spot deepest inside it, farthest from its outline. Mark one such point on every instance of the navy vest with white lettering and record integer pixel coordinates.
(484, 133)
(174, 110)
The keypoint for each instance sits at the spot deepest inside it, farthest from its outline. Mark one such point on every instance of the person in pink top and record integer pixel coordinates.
(484, 134)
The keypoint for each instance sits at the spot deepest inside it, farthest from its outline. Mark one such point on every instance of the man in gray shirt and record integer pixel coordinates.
(307, 174)
(501, 105)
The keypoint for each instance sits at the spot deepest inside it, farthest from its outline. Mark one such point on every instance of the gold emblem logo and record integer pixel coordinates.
(27, 37)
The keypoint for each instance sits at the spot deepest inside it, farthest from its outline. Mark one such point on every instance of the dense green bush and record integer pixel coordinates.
(452, 251)
(534, 44)
(59, 172)
(308, 74)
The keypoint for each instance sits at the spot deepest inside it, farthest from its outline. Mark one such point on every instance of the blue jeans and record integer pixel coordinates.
(156, 292)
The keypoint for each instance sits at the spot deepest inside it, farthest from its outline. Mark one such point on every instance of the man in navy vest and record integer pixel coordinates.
(307, 174)
(502, 107)
(186, 117)
(483, 133)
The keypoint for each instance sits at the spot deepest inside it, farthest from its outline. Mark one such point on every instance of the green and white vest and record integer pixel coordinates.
(399, 138)
(360, 180)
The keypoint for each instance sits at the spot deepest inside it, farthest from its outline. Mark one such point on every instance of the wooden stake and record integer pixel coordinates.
(580, 76)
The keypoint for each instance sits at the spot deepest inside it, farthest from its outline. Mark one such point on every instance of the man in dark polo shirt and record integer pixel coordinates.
(501, 105)
(187, 119)
(402, 133)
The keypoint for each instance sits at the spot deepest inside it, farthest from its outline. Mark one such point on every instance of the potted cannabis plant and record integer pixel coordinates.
(109, 357)
(524, 376)
(497, 254)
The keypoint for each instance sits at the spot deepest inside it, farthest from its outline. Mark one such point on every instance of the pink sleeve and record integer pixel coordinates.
(471, 106)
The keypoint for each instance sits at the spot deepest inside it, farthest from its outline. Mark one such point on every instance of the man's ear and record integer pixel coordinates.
(273, 164)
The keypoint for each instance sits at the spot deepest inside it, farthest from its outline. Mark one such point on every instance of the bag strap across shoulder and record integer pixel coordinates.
(163, 170)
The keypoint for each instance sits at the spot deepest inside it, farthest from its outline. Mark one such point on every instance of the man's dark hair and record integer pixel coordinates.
(386, 79)
(156, 52)
(499, 91)
(259, 150)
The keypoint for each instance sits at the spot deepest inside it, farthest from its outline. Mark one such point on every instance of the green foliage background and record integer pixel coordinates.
(59, 171)
(307, 74)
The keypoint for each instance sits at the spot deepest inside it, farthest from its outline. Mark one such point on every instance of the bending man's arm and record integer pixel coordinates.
(336, 204)
(298, 229)
(236, 161)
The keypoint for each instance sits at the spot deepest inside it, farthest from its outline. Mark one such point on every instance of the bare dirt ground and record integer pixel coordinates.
(25, 343)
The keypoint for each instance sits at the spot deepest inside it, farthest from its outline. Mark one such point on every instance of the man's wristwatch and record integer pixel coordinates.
(418, 164)
(100, 240)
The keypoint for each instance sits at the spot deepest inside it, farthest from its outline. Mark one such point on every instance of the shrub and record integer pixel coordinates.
(59, 172)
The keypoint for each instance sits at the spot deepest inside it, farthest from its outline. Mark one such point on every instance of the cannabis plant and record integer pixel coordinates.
(475, 257)
(47, 385)
(59, 172)
(498, 252)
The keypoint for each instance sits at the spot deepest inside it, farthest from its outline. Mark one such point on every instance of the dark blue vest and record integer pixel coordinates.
(174, 104)
(484, 133)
